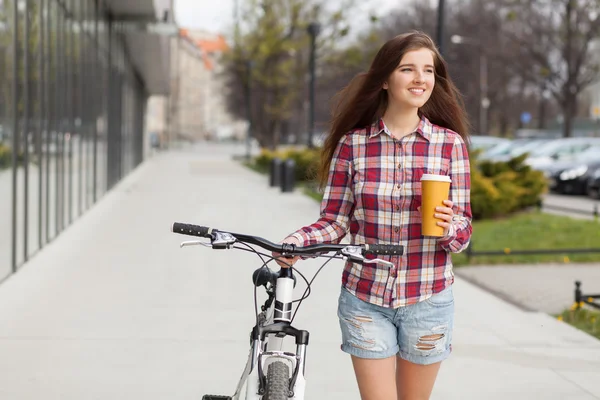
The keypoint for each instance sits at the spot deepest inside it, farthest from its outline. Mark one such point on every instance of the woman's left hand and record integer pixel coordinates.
(445, 214)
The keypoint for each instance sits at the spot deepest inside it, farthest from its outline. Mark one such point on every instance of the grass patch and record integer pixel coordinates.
(533, 230)
(582, 319)
(256, 167)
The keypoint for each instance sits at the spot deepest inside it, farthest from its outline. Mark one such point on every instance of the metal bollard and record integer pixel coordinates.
(288, 175)
(469, 251)
(578, 295)
(275, 172)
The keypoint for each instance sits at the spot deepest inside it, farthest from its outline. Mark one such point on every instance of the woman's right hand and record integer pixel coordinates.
(286, 262)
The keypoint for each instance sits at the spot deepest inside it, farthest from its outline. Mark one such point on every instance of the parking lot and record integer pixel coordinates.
(571, 165)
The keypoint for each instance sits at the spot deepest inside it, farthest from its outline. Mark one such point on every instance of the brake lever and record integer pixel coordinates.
(379, 261)
(220, 240)
(194, 243)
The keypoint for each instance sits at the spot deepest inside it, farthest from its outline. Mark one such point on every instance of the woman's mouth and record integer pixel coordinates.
(417, 91)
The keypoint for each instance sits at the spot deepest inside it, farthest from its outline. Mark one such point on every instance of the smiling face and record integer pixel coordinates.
(411, 83)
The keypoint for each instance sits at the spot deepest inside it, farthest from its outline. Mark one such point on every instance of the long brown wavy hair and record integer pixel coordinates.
(364, 100)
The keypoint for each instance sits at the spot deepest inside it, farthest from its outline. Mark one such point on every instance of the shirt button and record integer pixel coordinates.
(393, 274)
(397, 208)
(399, 165)
(398, 186)
(396, 229)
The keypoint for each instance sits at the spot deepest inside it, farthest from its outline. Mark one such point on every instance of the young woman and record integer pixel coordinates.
(401, 119)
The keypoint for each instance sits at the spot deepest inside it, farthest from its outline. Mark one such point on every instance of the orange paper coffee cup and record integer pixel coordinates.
(434, 190)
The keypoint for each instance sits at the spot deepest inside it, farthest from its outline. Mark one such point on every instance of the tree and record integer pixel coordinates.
(266, 68)
(553, 42)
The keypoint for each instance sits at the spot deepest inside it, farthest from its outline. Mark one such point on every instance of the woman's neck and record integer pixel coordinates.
(401, 122)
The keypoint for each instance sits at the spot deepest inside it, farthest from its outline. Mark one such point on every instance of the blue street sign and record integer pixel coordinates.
(525, 117)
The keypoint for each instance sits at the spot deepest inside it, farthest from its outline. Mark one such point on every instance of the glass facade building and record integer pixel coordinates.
(72, 110)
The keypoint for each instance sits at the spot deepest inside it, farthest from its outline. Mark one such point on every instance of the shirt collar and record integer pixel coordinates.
(424, 128)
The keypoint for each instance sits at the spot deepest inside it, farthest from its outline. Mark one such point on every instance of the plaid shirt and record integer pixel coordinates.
(374, 190)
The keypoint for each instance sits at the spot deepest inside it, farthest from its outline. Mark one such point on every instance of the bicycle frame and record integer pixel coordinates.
(267, 340)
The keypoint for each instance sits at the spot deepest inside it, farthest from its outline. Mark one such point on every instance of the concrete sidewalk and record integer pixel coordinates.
(114, 309)
(549, 288)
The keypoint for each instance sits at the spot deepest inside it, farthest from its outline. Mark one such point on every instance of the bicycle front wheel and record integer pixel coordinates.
(278, 381)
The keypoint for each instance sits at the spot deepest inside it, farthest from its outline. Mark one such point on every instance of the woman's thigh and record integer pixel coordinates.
(425, 329)
(368, 331)
(370, 337)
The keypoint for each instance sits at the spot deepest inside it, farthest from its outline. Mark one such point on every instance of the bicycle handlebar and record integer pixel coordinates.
(284, 248)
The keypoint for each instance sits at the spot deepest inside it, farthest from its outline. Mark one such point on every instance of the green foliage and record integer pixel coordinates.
(274, 40)
(531, 231)
(5, 156)
(582, 318)
(502, 188)
(306, 161)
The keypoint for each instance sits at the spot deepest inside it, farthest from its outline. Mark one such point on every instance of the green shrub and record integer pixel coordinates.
(502, 188)
(306, 161)
(5, 156)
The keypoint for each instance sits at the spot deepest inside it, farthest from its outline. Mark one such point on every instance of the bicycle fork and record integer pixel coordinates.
(267, 343)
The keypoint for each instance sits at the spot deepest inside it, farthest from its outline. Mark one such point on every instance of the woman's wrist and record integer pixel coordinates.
(294, 238)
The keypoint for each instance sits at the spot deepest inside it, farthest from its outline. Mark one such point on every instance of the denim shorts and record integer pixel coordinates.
(420, 333)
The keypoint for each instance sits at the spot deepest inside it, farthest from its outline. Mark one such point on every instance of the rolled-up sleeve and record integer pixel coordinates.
(460, 194)
(338, 200)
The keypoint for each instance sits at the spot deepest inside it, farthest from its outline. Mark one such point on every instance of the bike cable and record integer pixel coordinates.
(307, 291)
(265, 265)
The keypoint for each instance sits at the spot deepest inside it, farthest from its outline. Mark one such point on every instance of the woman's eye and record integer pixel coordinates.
(406, 70)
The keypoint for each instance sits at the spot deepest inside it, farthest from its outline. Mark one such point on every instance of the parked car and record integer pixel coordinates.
(485, 143)
(574, 176)
(511, 149)
(564, 149)
(593, 188)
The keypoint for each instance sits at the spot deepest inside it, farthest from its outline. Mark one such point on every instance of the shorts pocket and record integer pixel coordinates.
(442, 299)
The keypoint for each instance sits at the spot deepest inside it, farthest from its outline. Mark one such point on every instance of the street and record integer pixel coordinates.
(583, 206)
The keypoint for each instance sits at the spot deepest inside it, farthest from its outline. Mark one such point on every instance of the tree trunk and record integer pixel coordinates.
(569, 114)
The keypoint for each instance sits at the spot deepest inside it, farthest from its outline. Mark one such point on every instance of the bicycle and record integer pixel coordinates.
(285, 371)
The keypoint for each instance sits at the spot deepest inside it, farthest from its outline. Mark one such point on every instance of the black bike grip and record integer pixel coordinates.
(191, 230)
(385, 249)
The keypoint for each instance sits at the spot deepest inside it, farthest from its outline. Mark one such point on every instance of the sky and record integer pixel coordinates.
(217, 15)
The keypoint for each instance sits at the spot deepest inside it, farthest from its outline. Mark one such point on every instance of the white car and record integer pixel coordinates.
(564, 149)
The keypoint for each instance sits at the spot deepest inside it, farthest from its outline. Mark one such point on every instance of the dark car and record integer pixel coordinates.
(593, 188)
(573, 177)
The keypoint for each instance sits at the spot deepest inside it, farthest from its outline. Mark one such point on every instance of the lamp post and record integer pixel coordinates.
(313, 31)
(248, 100)
(484, 101)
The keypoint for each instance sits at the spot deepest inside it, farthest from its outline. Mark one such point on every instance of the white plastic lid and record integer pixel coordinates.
(432, 177)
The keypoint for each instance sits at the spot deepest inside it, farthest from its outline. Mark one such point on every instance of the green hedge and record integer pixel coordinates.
(497, 188)
(306, 160)
(5, 156)
(502, 188)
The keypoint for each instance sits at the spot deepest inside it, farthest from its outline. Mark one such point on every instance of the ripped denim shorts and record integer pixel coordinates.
(420, 333)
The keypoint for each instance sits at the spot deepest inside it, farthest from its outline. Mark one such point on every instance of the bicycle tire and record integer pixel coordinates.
(278, 381)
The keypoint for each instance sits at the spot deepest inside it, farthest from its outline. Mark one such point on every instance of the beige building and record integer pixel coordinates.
(196, 109)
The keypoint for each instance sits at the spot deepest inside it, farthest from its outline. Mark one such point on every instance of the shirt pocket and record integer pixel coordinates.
(415, 174)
